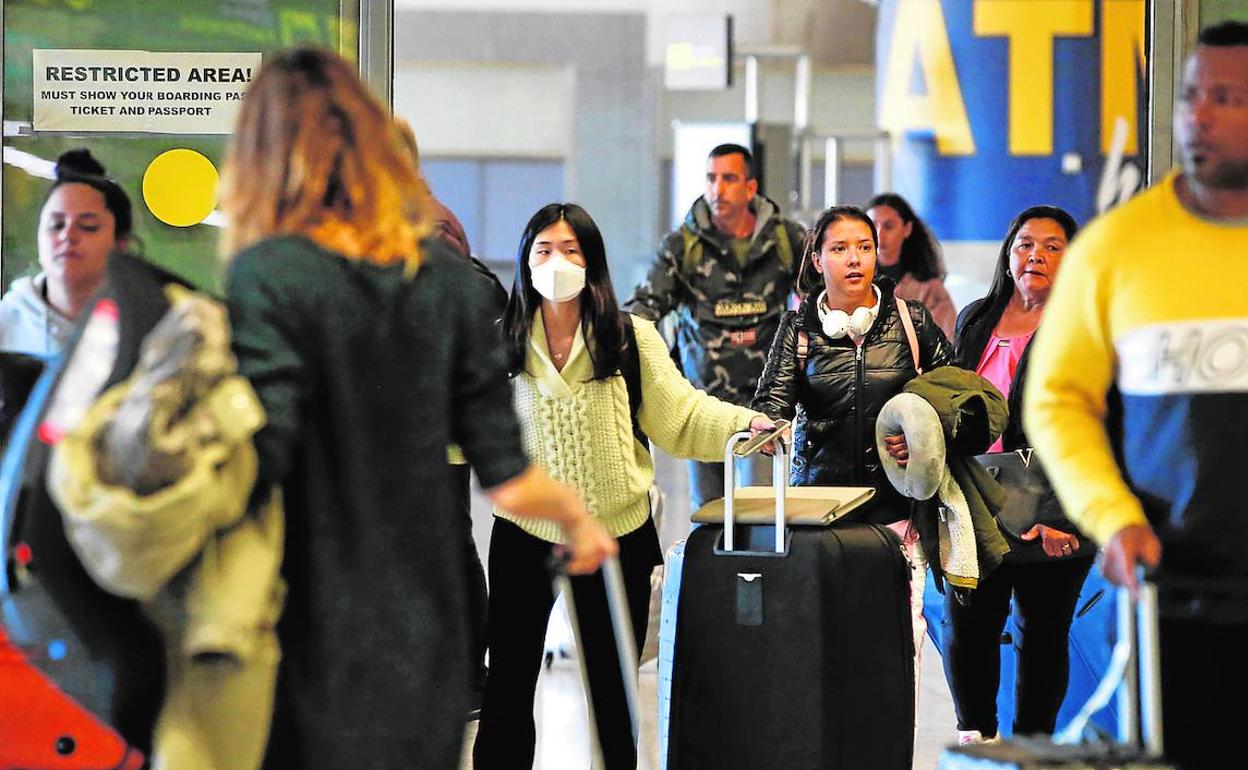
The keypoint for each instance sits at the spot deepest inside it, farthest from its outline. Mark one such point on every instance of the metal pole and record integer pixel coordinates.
(1128, 692)
(883, 163)
(1150, 670)
(832, 172)
(376, 51)
(805, 179)
(625, 641)
(751, 90)
(801, 95)
(1168, 39)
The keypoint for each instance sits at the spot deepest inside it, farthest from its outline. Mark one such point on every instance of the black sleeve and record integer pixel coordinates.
(265, 341)
(776, 395)
(969, 339)
(493, 285)
(934, 348)
(483, 421)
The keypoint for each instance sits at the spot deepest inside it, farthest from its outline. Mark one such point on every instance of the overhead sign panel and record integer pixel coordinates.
(997, 105)
(697, 52)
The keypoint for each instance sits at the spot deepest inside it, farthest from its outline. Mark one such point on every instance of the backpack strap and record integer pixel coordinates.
(630, 369)
(907, 323)
(692, 253)
(784, 247)
(803, 348)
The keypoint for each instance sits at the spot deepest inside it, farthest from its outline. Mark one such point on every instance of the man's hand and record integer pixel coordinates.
(1128, 547)
(897, 449)
(589, 545)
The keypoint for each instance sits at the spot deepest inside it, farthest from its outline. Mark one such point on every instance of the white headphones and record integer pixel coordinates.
(838, 323)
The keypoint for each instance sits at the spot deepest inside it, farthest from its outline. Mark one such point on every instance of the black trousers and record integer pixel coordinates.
(1204, 672)
(521, 597)
(461, 476)
(1045, 594)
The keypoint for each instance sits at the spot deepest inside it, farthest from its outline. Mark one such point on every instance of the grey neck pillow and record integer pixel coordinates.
(910, 415)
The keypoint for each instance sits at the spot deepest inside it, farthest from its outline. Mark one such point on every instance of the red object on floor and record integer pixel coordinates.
(42, 728)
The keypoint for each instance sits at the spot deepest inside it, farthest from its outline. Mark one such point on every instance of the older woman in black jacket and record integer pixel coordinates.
(834, 363)
(1045, 569)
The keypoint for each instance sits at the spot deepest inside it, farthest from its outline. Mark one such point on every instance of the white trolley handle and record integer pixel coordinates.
(625, 645)
(1133, 676)
(779, 481)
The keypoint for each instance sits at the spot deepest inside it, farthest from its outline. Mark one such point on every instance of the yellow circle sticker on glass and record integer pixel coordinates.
(180, 187)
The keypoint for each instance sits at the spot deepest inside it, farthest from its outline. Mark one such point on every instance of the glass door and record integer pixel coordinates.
(174, 220)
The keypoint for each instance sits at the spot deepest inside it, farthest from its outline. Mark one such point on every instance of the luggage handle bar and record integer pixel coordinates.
(1133, 676)
(625, 643)
(779, 481)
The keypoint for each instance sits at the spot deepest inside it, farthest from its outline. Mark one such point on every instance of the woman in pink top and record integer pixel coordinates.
(1049, 560)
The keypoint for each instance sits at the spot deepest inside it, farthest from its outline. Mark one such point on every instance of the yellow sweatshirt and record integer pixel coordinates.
(580, 429)
(1151, 299)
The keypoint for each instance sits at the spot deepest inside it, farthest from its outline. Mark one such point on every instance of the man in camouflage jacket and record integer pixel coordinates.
(727, 274)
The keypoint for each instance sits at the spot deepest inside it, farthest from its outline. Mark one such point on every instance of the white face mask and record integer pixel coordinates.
(557, 279)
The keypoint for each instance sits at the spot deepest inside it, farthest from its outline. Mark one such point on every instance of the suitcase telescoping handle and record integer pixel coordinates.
(625, 643)
(779, 481)
(1133, 676)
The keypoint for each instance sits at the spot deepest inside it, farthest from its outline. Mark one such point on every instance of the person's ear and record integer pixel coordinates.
(751, 187)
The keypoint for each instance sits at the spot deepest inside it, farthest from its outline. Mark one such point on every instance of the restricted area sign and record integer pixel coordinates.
(149, 91)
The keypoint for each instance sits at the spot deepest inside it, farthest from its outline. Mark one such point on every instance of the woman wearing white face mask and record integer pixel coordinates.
(589, 381)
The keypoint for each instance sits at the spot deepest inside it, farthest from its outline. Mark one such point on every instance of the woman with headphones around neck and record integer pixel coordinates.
(833, 364)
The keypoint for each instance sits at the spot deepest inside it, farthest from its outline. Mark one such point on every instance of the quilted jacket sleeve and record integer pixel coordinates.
(776, 396)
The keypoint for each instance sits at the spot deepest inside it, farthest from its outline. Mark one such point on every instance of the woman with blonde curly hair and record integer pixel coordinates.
(366, 344)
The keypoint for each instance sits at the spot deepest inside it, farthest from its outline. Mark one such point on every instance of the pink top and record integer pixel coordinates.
(998, 364)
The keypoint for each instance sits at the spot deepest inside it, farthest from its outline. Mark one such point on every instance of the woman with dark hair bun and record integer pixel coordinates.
(85, 218)
(590, 383)
(910, 255)
(1046, 566)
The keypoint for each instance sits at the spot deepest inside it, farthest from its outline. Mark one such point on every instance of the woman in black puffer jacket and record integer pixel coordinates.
(833, 364)
(834, 393)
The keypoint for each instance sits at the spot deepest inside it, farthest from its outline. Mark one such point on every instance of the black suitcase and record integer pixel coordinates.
(794, 653)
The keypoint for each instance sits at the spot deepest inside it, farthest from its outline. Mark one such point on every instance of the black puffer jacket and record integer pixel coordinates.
(837, 396)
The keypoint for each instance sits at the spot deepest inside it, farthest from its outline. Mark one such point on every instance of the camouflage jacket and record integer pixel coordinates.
(726, 313)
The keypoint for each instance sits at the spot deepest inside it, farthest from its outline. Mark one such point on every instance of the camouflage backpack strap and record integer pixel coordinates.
(691, 254)
(784, 246)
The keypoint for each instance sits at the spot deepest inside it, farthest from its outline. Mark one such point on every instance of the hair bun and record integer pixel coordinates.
(78, 162)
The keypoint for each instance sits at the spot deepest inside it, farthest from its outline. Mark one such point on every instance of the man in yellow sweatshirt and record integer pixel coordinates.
(1138, 398)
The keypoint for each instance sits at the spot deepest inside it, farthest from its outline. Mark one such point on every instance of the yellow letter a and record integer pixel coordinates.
(920, 30)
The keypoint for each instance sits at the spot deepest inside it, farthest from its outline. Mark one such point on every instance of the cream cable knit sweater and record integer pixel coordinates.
(580, 430)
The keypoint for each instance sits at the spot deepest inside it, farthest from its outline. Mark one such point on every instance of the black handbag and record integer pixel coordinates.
(1029, 498)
